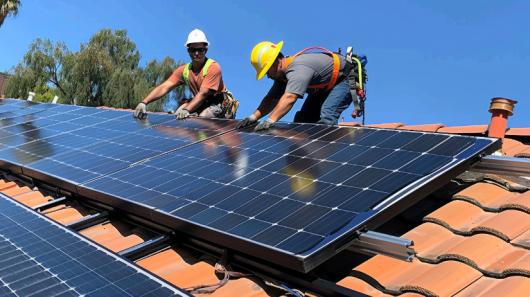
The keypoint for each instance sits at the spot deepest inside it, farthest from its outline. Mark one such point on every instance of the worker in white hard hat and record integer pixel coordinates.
(203, 76)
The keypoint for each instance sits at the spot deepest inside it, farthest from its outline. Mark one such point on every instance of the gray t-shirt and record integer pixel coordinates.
(305, 70)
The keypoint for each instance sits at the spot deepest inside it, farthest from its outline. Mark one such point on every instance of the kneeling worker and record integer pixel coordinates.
(203, 77)
(325, 76)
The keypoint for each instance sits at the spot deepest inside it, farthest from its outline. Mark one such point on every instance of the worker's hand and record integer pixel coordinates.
(264, 125)
(354, 113)
(140, 112)
(182, 114)
(248, 121)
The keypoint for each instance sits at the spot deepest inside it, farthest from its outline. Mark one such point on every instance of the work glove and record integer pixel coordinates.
(182, 114)
(264, 125)
(140, 112)
(248, 121)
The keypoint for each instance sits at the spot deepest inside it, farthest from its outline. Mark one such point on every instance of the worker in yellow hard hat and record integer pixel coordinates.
(203, 76)
(323, 75)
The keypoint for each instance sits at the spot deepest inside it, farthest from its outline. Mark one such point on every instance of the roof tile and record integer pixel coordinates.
(512, 147)
(424, 128)
(386, 125)
(522, 240)
(360, 286)
(31, 198)
(518, 132)
(398, 276)
(476, 129)
(465, 218)
(494, 198)
(514, 286)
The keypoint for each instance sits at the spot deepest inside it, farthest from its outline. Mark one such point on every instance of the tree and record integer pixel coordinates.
(8, 7)
(105, 71)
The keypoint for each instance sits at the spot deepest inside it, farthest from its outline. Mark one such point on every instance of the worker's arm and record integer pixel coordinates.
(285, 104)
(198, 99)
(265, 107)
(159, 91)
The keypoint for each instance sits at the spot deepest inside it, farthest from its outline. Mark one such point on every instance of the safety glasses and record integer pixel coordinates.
(200, 50)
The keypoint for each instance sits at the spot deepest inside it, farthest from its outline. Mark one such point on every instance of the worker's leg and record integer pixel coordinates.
(310, 111)
(212, 111)
(337, 101)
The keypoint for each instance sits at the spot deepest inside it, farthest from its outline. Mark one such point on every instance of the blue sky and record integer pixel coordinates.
(429, 61)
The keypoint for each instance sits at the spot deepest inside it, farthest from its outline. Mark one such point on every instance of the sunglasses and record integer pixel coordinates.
(197, 49)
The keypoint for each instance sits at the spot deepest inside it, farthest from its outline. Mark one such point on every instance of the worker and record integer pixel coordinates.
(324, 76)
(203, 76)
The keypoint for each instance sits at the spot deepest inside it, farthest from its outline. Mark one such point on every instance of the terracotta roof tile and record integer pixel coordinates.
(514, 286)
(31, 198)
(518, 132)
(15, 190)
(465, 218)
(6, 184)
(512, 147)
(424, 128)
(360, 286)
(386, 125)
(477, 129)
(397, 276)
(116, 236)
(64, 214)
(522, 240)
(494, 198)
(524, 153)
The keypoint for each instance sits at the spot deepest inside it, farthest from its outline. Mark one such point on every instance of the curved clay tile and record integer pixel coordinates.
(518, 132)
(465, 218)
(472, 129)
(514, 286)
(512, 147)
(424, 128)
(386, 125)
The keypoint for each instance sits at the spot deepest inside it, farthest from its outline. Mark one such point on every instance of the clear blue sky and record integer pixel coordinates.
(429, 61)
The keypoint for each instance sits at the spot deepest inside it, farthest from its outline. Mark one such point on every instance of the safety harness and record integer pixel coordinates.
(336, 67)
(355, 81)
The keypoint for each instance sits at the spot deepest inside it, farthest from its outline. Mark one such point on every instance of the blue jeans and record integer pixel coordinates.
(325, 107)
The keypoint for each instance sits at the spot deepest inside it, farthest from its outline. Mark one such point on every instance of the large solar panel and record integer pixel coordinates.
(75, 144)
(41, 258)
(295, 195)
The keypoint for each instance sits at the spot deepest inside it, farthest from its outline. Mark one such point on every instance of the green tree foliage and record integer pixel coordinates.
(105, 71)
(8, 7)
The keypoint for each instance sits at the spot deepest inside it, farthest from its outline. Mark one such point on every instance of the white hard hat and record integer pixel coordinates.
(196, 36)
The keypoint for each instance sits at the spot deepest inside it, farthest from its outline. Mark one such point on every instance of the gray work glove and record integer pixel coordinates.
(140, 112)
(248, 121)
(182, 114)
(264, 125)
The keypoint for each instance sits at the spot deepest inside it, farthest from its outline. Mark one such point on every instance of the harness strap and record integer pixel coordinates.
(187, 68)
(336, 67)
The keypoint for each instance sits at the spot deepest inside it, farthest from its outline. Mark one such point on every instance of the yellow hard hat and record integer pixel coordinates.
(263, 56)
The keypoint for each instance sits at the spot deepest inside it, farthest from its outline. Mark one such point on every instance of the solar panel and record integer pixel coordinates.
(295, 195)
(41, 258)
(76, 144)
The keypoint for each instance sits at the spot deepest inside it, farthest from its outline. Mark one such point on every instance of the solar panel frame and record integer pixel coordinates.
(42, 257)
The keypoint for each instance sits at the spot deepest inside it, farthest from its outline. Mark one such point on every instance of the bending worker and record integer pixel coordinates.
(324, 76)
(203, 77)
